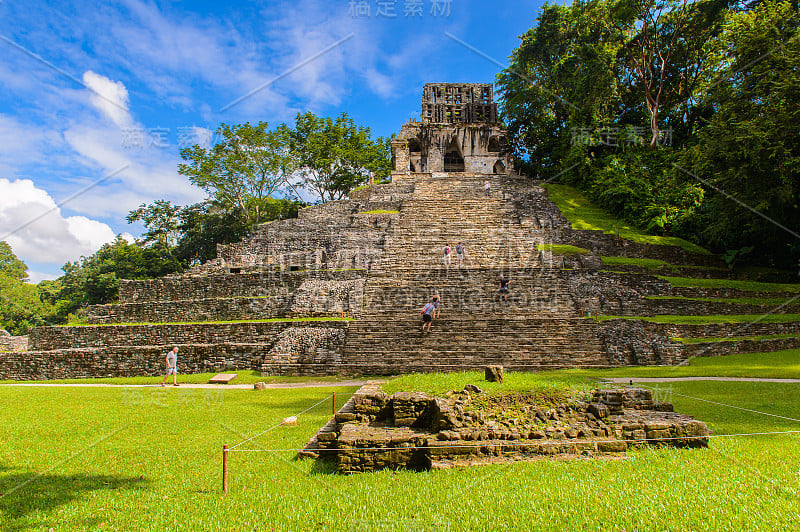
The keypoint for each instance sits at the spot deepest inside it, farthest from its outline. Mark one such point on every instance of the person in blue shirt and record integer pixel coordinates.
(427, 316)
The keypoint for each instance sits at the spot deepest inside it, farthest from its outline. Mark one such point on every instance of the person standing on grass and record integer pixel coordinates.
(172, 367)
(460, 253)
(504, 282)
(427, 316)
(447, 254)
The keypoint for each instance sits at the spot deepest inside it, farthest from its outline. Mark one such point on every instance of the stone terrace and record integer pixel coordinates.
(369, 263)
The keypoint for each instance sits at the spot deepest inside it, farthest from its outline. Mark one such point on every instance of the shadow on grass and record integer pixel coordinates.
(322, 467)
(24, 494)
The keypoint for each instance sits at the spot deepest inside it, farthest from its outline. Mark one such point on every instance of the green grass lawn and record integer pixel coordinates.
(734, 338)
(653, 264)
(773, 301)
(769, 365)
(441, 383)
(245, 377)
(562, 249)
(268, 320)
(704, 320)
(116, 459)
(582, 214)
(752, 286)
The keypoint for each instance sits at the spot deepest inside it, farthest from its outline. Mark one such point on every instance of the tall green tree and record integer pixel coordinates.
(648, 32)
(748, 151)
(10, 265)
(161, 218)
(243, 169)
(20, 305)
(334, 156)
(562, 80)
(203, 226)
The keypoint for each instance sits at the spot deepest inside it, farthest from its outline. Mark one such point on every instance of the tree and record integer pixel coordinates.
(203, 226)
(20, 305)
(10, 265)
(748, 151)
(336, 156)
(94, 280)
(247, 166)
(161, 220)
(648, 31)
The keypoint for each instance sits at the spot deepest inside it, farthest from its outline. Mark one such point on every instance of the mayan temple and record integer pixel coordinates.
(369, 263)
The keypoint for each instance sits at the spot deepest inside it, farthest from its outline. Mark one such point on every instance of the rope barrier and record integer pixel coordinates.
(722, 404)
(522, 444)
(233, 448)
(227, 449)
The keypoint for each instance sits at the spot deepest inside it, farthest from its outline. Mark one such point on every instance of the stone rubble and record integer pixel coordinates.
(412, 430)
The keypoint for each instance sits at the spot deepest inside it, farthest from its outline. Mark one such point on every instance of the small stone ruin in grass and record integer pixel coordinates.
(415, 430)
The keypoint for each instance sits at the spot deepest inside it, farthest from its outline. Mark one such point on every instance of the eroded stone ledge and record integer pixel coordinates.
(413, 430)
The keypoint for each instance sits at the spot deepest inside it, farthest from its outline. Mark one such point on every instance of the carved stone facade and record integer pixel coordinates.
(459, 132)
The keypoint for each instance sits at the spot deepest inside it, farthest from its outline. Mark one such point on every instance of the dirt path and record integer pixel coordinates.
(281, 385)
(623, 380)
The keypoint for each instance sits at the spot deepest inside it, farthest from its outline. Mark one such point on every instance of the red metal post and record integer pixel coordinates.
(225, 469)
(333, 403)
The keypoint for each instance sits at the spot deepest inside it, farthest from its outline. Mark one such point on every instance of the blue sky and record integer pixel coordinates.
(97, 98)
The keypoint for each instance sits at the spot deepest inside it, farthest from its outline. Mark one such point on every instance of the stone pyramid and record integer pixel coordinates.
(339, 289)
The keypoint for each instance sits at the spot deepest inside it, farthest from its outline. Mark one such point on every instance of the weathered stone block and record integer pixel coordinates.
(598, 410)
(612, 446)
(494, 373)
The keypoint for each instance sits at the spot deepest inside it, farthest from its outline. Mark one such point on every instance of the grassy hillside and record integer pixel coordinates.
(582, 214)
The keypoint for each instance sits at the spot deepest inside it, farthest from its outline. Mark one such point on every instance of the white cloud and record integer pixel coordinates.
(379, 83)
(149, 173)
(110, 97)
(32, 223)
(20, 144)
(37, 277)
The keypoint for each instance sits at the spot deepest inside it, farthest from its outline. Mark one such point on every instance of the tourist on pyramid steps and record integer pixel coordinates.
(427, 316)
(437, 303)
(447, 253)
(487, 188)
(460, 253)
(504, 287)
(172, 367)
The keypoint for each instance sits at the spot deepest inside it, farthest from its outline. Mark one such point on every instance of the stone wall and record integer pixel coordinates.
(126, 361)
(212, 309)
(600, 293)
(315, 246)
(46, 338)
(302, 346)
(732, 347)
(315, 293)
(203, 348)
(637, 343)
(323, 297)
(12, 343)
(224, 285)
(209, 286)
